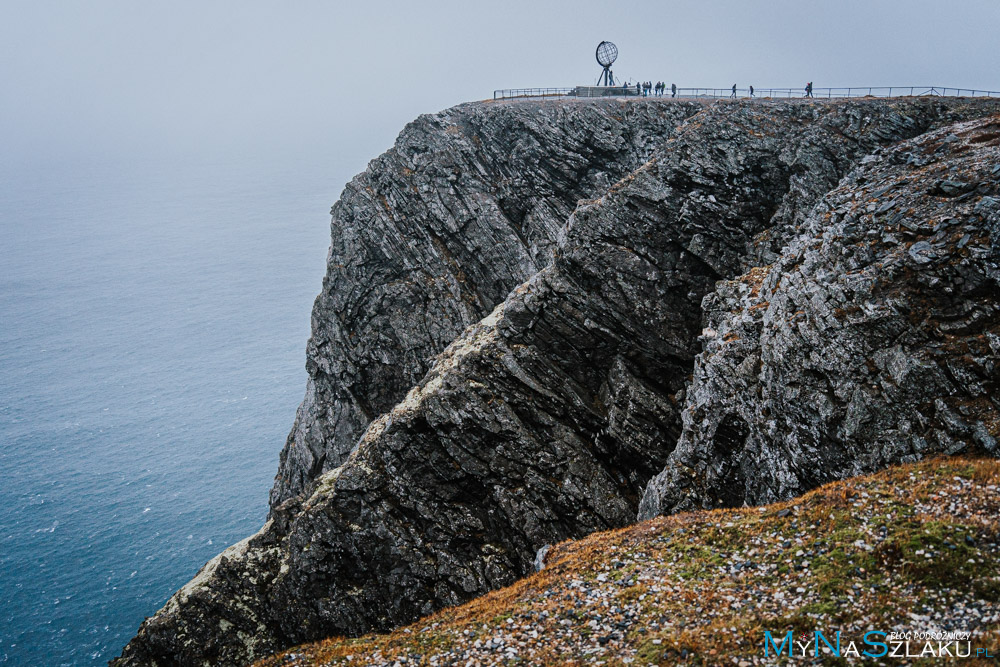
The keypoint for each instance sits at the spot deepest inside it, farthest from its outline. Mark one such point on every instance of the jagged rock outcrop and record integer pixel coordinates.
(546, 419)
(875, 339)
(464, 208)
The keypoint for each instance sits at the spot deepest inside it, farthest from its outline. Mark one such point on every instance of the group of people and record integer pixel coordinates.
(733, 95)
(809, 90)
(647, 87)
(660, 87)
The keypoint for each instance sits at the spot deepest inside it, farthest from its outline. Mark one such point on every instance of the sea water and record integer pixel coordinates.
(153, 321)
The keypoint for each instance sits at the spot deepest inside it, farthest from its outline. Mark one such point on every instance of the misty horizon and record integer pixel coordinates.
(112, 80)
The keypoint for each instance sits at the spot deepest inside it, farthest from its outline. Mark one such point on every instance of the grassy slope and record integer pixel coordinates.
(912, 548)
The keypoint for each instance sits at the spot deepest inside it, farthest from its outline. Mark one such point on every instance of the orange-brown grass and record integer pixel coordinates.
(754, 277)
(686, 604)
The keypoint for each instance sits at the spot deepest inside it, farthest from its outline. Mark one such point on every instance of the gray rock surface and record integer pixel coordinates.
(875, 339)
(464, 208)
(546, 419)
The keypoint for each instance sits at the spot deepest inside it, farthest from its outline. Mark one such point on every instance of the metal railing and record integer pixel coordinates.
(513, 93)
(764, 93)
(828, 93)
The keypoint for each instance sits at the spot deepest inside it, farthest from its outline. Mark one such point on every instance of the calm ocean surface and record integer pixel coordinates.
(153, 321)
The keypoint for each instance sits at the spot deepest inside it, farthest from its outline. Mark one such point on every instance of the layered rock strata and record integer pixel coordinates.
(874, 339)
(547, 418)
(464, 208)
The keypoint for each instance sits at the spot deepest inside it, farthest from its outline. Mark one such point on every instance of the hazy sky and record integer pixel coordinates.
(132, 78)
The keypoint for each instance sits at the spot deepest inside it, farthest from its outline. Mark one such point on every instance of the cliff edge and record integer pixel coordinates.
(845, 255)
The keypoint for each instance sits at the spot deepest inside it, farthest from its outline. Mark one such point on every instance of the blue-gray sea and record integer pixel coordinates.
(153, 321)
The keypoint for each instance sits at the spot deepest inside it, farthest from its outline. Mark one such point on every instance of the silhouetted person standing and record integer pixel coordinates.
(734, 91)
(638, 89)
(809, 89)
(673, 90)
(751, 91)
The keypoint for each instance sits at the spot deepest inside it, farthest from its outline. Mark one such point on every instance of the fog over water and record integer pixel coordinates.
(118, 78)
(166, 175)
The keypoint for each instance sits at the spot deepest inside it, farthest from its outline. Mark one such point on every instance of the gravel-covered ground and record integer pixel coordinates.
(912, 549)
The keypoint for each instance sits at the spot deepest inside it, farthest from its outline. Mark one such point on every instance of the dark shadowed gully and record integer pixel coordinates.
(873, 339)
(849, 279)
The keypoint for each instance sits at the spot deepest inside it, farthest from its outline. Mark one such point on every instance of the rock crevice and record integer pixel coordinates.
(872, 341)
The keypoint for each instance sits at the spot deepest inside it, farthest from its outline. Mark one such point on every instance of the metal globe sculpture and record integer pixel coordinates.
(606, 54)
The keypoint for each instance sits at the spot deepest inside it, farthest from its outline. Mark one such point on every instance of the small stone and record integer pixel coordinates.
(985, 205)
(886, 206)
(922, 252)
(540, 557)
(950, 188)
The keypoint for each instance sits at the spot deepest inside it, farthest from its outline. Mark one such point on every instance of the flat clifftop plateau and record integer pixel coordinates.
(825, 272)
(914, 548)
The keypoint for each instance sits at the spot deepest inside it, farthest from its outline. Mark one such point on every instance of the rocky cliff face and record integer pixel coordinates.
(464, 208)
(874, 339)
(547, 418)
